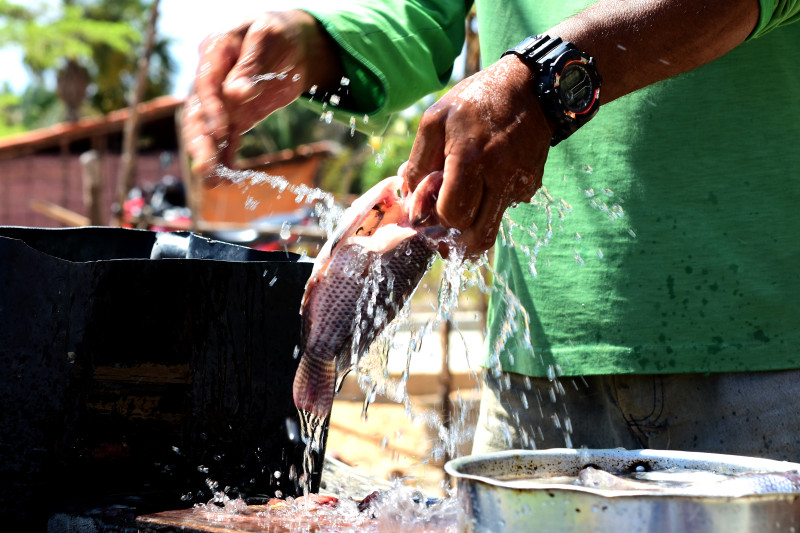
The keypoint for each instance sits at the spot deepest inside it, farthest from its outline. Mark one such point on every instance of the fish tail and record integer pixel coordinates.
(314, 383)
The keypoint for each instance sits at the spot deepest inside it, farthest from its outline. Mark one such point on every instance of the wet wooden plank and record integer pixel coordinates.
(255, 518)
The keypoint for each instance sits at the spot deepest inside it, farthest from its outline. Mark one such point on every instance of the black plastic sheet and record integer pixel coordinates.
(136, 363)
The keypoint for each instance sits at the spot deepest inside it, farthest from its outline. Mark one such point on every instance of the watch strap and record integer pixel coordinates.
(542, 54)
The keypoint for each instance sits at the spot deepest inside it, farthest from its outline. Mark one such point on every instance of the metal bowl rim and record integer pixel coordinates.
(754, 464)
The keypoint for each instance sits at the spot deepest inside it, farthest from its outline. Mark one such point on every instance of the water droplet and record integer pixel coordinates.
(273, 280)
(366, 119)
(277, 474)
(286, 230)
(313, 90)
(250, 203)
(292, 432)
(203, 469)
(344, 82)
(296, 77)
(334, 100)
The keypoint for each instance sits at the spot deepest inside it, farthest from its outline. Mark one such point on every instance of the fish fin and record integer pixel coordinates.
(314, 385)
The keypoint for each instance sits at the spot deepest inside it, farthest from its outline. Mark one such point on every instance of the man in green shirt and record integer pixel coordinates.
(649, 281)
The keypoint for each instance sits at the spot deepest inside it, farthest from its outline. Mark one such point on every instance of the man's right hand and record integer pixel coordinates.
(245, 74)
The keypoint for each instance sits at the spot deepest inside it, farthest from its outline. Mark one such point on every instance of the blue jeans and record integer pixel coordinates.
(755, 414)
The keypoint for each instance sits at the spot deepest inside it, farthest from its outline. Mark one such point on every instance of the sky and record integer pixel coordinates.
(187, 22)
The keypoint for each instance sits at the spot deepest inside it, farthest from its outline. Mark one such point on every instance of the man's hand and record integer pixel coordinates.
(247, 73)
(490, 137)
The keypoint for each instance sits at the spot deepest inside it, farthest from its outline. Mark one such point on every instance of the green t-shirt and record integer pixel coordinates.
(664, 241)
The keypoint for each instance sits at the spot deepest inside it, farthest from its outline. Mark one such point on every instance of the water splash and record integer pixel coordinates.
(312, 430)
(514, 322)
(325, 206)
(269, 76)
(220, 502)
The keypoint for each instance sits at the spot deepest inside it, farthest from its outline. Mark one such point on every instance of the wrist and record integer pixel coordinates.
(323, 66)
(525, 81)
(565, 79)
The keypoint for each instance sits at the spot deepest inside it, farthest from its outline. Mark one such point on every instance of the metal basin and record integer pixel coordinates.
(495, 496)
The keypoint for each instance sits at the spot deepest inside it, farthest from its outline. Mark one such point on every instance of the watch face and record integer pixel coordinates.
(575, 87)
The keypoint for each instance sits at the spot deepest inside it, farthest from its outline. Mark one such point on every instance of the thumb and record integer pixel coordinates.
(427, 154)
(422, 202)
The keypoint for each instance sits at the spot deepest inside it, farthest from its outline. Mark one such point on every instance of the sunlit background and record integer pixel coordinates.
(184, 23)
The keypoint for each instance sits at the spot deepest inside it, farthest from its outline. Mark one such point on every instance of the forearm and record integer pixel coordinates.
(393, 52)
(639, 42)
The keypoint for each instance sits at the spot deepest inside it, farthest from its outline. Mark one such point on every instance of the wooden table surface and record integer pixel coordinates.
(256, 518)
(296, 518)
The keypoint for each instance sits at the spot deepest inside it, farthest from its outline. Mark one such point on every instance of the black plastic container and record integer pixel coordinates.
(140, 364)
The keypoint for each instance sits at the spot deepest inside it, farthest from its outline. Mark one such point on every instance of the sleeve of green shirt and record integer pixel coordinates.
(393, 53)
(776, 13)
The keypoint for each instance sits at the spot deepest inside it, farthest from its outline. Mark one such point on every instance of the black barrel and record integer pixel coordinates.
(137, 365)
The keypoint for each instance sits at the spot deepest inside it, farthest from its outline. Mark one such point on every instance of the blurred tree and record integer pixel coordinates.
(116, 70)
(10, 113)
(88, 44)
(367, 160)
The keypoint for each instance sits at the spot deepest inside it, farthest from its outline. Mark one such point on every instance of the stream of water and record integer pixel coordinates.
(457, 276)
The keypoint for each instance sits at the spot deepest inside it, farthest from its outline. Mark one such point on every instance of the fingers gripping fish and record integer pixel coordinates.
(375, 235)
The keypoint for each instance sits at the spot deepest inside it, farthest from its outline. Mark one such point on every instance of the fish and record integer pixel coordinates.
(600, 479)
(362, 277)
(728, 486)
(759, 483)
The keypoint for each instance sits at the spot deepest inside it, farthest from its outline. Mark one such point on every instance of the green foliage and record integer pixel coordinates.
(10, 119)
(289, 127)
(367, 160)
(104, 36)
(46, 41)
(116, 69)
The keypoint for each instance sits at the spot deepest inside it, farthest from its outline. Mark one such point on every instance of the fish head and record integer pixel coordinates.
(379, 220)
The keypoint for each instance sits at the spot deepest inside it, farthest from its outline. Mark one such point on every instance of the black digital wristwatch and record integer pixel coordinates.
(567, 82)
